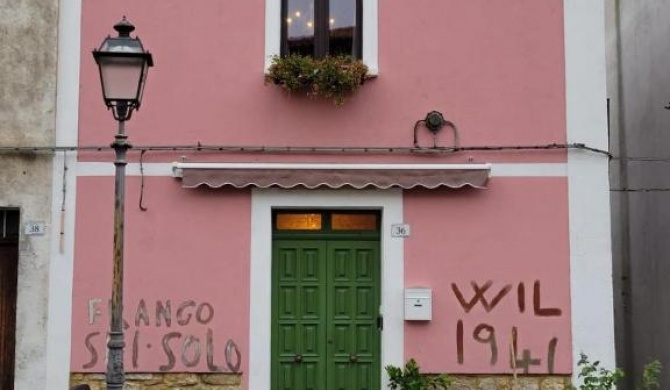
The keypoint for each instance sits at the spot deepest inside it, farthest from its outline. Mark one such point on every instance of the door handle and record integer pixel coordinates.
(353, 358)
(297, 358)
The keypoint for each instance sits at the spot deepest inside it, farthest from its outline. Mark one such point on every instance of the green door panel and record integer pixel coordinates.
(353, 307)
(325, 304)
(299, 298)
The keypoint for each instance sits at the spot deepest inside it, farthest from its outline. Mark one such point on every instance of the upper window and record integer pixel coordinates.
(322, 27)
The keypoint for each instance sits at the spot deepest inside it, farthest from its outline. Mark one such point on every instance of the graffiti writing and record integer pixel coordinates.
(481, 298)
(488, 297)
(195, 348)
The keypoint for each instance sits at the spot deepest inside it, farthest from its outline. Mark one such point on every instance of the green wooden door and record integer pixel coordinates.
(326, 299)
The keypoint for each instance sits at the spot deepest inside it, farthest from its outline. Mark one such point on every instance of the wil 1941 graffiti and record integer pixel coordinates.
(486, 333)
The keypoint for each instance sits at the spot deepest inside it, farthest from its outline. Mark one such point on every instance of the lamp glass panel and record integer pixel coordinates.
(121, 77)
(122, 45)
(143, 83)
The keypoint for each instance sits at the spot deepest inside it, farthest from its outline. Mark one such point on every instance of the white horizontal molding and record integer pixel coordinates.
(132, 169)
(529, 170)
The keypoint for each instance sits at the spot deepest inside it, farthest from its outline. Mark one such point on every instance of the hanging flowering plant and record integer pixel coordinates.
(332, 78)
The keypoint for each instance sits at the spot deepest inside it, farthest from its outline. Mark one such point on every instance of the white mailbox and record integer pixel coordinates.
(418, 304)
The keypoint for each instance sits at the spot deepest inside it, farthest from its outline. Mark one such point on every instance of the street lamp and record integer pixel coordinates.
(123, 64)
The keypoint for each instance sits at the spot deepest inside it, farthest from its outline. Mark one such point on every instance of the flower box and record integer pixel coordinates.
(332, 78)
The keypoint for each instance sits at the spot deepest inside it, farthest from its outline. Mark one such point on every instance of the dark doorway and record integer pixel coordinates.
(9, 261)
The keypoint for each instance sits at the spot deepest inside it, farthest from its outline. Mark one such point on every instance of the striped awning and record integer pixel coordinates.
(311, 176)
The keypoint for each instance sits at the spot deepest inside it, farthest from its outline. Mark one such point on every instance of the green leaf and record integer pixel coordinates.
(410, 378)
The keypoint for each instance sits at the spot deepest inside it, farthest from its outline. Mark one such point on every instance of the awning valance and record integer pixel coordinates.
(358, 176)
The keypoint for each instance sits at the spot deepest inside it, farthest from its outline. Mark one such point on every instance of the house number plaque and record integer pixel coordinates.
(400, 230)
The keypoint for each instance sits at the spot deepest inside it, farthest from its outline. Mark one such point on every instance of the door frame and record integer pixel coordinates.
(10, 283)
(263, 201)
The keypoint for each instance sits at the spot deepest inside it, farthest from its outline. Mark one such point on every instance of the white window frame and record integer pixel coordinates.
(370, 33)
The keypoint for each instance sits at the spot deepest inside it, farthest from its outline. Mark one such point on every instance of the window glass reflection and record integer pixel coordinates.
(300, 27)
(299, 222)
(342, 28)
(354, 222)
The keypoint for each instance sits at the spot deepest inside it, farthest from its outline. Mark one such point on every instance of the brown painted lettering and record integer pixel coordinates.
(459, 341)
(551, 355)
(210, 352)
(233, 365)
(164, 313)
(168, 350)
(135, 348)
(488, 338)
(537, 305)
(91, 349)
(204, 318)
(479, 296)
(141, 314)
(521, 297)
(190, 343)
(180, 312)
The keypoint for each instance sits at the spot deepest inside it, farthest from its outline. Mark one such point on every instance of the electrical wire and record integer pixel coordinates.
(142, 207)
(61, 236)
(640, 190)
(376, 150)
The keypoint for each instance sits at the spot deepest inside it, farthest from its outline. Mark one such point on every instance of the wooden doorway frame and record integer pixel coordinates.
(9, 265)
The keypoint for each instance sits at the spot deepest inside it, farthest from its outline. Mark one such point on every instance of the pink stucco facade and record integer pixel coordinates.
(500, 82)
(497, 259)
(184, 278)
(465, 241)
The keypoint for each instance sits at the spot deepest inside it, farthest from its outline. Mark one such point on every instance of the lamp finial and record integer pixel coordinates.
(124, 27)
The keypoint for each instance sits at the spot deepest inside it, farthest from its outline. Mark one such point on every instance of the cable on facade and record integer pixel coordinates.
(640, 190)
(646, 159)
(226, 149)
(142, 207)
(61, 243)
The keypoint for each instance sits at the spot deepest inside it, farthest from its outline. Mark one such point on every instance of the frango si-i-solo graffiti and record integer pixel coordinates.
(198, 347)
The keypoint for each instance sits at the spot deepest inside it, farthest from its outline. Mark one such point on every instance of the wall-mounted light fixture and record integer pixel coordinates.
(434, 122)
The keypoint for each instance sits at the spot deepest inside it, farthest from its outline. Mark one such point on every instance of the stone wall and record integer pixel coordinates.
(506, 382)
(160, 381)
(184, 381)
(28, 59)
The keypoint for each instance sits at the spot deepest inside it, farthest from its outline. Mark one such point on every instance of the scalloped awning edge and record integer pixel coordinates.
(333, 176)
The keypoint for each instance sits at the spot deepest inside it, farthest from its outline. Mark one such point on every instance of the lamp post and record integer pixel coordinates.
(123, 64)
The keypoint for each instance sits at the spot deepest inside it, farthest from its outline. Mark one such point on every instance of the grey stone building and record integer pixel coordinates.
(639, 89)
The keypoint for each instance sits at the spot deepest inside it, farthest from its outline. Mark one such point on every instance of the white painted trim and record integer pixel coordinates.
(167, 169)
(529, 170)
(392, 254)
(590, 240)
(272, 31)
(132, 169)
(370, 34)
(59, 326)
